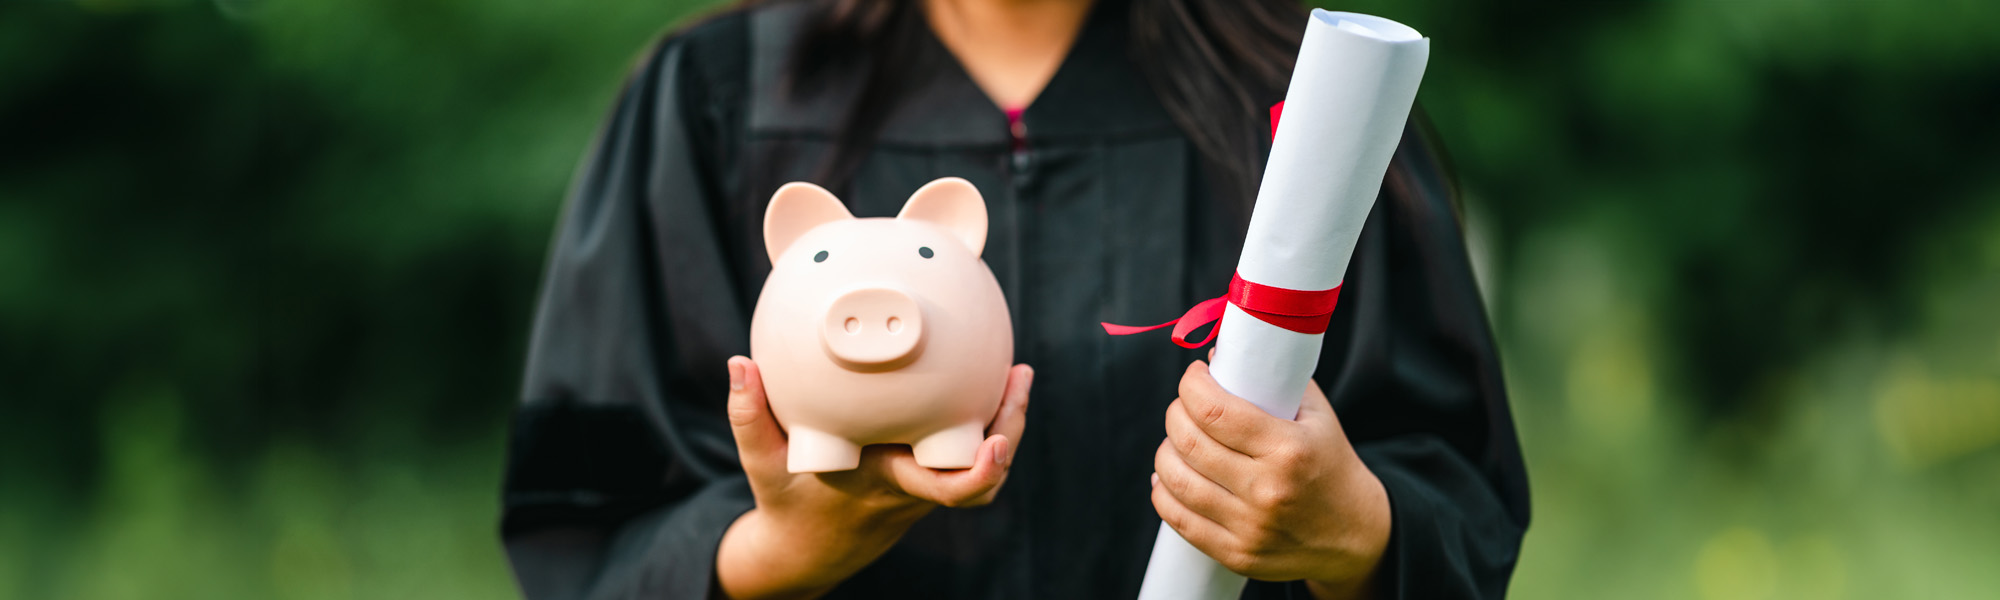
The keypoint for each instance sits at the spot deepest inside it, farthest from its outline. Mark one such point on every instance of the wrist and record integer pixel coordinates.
(855, 532)
(1341, 590)
(1361, 551)
(775, 554)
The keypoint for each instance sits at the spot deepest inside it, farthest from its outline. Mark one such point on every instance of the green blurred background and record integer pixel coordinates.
(267, 266)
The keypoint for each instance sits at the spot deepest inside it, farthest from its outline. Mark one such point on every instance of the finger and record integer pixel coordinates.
(1200, 494)
(1207, 536)
(759, 440)
(1219, 463)
(1317, 416)
(1012, 417)
(1228, 419)
(955, 487)
(1315, 406)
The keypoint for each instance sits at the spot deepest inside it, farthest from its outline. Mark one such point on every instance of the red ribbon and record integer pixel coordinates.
(1296, 310)
(1276, 109)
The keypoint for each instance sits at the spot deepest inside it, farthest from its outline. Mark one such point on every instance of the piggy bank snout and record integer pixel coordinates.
(873, 329)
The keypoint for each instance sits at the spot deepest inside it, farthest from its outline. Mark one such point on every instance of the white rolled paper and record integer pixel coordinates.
(1350, 96)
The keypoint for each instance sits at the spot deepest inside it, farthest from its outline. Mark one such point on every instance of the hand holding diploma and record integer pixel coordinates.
(1270, 498)
(1273, 497)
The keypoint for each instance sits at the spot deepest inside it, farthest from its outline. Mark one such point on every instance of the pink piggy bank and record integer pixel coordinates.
(881, 331)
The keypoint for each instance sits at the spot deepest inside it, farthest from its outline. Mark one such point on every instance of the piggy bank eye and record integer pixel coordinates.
(821, 257)
(925, 251)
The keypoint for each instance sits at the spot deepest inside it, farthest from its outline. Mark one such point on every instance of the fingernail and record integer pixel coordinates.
(1000, 454)
(1156, 480)
(735, 376)
(1029, 381)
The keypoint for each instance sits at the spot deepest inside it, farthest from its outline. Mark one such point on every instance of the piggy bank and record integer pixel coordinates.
(881, 331)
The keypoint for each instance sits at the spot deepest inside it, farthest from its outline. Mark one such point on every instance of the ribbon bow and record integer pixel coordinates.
(1296, 310)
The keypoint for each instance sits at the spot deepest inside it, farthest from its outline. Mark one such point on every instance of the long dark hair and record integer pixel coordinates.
(1214, 64)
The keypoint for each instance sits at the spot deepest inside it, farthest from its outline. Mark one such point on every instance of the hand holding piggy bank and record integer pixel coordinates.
(881, 331)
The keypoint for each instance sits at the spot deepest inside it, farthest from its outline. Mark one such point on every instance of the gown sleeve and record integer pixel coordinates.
(1418, 388)
(621, 470)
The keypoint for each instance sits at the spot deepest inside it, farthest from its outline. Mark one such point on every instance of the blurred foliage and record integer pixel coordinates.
(266, 270)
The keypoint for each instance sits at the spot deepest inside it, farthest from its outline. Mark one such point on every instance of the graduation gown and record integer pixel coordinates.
(622, 472)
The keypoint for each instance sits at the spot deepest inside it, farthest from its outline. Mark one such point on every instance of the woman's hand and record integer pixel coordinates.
(810, 531)
(1269, 498)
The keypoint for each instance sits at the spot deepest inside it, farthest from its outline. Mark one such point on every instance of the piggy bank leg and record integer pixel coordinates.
(815, 451)
(951, 448)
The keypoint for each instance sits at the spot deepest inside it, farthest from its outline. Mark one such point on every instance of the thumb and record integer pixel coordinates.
(759, 441)
(1316, 412)
(1315, 406)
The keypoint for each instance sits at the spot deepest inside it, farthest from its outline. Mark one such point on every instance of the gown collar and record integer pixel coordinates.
(1096, 92)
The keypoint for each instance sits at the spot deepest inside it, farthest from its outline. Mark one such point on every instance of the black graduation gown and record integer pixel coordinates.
(622, 472)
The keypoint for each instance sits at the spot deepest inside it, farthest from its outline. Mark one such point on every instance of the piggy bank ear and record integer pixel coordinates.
(953, 204)
(797, 208)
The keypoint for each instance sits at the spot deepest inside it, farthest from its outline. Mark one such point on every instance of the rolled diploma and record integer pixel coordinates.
(1344, 113)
